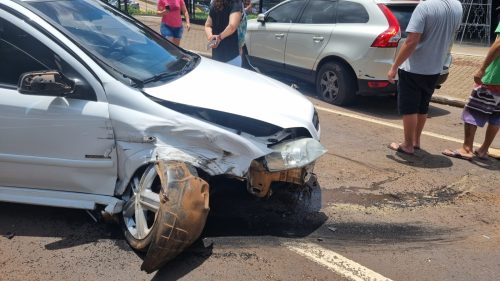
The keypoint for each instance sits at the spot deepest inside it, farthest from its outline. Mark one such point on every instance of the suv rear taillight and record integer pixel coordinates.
(390, 37)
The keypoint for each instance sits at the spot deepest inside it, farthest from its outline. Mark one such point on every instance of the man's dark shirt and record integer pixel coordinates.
(228, 48)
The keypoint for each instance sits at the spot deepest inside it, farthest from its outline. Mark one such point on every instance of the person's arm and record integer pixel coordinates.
(234, 21)
(493, 53)
(208, 28)
(160, 9)
(404, 53)
(186, 15)
(248, 8)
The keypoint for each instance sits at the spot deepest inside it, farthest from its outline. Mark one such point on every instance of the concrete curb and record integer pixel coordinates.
(448, 101)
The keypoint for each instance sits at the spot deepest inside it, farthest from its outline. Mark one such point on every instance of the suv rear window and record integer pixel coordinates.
(403, 14)
(350, 12)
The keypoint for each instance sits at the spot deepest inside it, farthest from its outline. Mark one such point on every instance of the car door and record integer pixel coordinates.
(268, 40)
(308, 37)
(50, 142)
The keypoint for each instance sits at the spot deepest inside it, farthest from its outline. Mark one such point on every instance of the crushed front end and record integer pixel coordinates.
(290, 162)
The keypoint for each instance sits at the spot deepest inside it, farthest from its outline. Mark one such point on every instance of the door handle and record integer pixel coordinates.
(279, 35)
(318, 39)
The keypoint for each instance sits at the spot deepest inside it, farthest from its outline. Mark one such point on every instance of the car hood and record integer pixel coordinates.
(226, 88)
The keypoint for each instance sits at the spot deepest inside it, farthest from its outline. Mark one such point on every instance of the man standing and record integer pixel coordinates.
(419, 62)
(483, 106)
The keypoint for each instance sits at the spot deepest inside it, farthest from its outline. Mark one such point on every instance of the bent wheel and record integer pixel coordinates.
(139, 212)
(165, 211)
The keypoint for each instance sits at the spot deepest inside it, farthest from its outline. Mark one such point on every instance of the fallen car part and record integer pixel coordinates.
(260, 179)
(184, 206)
(291, 162)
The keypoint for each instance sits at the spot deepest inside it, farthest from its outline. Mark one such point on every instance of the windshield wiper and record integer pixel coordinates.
(190, 63)
(160, 76)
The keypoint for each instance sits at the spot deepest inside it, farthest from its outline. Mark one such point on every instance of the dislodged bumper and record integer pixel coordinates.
(260, 179)
(291, 162)
(184, 206)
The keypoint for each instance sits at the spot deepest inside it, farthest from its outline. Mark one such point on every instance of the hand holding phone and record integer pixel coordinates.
(211, 43)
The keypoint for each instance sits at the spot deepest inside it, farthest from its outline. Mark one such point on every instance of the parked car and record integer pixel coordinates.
(130, 4)
(344, 47)
(99, 112)
(202, 7)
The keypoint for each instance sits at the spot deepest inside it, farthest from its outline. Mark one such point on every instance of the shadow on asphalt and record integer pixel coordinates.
(422, 159)
(242, 218)
(74, 227)
(234, 213)
(365, 234)
(287, 213)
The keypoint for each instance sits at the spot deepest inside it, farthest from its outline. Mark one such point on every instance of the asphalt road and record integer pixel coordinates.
(373, 213)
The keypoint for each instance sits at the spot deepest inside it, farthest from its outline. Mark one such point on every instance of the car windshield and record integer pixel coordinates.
(137, 54)
(403, 14)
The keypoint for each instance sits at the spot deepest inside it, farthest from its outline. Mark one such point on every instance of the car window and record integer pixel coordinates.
(286, 13)
(403, 14)
(20, 52)
(319, 12)
(350, 12)
(114, 39)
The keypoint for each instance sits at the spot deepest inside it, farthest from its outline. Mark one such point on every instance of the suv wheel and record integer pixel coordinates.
(335, 84)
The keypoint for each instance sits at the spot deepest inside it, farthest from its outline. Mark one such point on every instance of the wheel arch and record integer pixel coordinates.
(130, 164)
(337, 59)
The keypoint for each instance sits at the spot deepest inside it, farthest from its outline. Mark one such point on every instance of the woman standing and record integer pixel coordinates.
(171, 21)
(220, 28)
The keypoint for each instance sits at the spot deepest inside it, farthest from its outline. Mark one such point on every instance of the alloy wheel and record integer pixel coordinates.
(329, 86)
(142, 203)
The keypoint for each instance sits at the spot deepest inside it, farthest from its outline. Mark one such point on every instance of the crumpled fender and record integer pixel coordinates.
(184, 206)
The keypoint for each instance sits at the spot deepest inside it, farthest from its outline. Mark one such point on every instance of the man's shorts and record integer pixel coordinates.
(171, 32)
(483, 106)
(415, 92)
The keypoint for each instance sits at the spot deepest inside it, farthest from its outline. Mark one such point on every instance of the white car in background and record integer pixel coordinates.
(99, 112)
(344, 47)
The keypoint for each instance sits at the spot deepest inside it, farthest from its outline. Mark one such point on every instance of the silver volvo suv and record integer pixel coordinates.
(344, 47)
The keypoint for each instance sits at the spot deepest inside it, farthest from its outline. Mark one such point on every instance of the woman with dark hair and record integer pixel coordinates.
(220, 28)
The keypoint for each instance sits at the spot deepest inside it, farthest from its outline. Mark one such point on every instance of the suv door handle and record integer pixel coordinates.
(279, 35)
(318, 39)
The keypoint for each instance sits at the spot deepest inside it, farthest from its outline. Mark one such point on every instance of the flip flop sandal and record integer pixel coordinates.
(456, 154)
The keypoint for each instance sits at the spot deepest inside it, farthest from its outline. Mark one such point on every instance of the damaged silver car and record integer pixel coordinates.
(99, 112)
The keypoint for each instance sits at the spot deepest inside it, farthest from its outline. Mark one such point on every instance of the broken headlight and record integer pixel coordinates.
(294, 154)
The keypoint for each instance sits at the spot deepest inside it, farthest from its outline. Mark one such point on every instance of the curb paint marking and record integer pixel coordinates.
(388, 124)
(335, 262)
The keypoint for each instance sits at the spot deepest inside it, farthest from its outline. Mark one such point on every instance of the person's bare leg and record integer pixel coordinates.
(410, 127)
(469, 133)
(421, 119)
(176, 41)
(491, 132)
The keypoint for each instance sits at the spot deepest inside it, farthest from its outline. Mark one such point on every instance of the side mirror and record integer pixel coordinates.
(261, 18)
(45, 83)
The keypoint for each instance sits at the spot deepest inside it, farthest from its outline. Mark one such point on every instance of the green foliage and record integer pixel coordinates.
(139, 12)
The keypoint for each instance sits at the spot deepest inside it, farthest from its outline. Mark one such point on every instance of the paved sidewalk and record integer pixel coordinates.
(455, 91)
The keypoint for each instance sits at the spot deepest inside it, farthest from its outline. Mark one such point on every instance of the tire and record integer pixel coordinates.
(144, 185)
(335, 84)
(164, 213)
